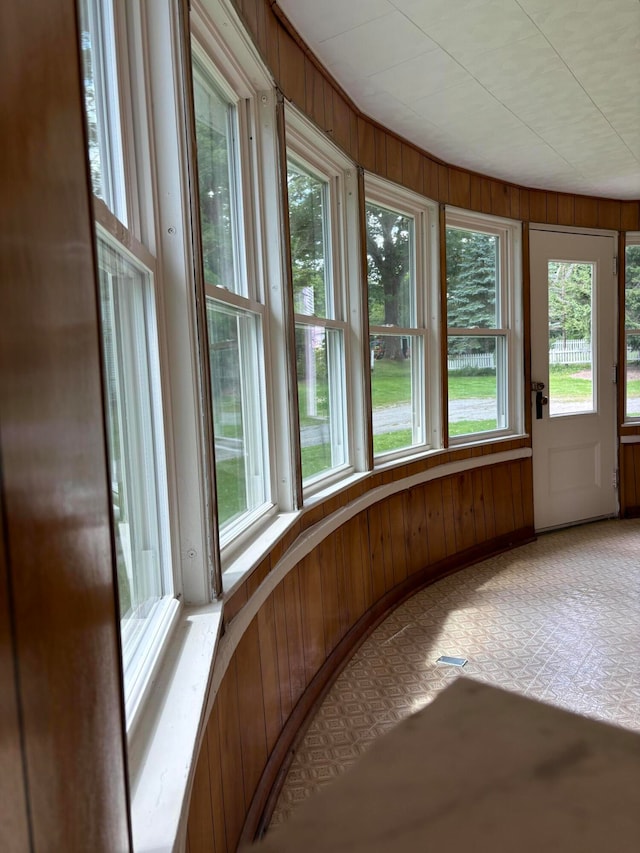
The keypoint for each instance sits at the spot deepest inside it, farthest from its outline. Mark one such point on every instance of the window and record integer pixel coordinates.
(316, 211)
(102, 99)
(136, 446)
(133, 391)
(235, 315)
(483, 320)
(632, 327)
(399, 227)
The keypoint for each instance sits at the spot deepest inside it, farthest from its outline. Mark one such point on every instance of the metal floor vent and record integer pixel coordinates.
(449, 661)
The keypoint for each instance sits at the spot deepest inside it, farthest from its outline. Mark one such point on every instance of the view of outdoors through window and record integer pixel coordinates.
(319, 347)
(476, 363)
(396, 359)
(128, 335)
(632, 330)
(234, 331)
(571, 294)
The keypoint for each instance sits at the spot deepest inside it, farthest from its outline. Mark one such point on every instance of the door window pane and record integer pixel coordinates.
(310, 249)
(633, 376)
(321, 394)
(477, 384)
(472, 280)
(396, 392)
(570, 340)
(136, 466)
(390, 253)
(219, 204)
(238, 421)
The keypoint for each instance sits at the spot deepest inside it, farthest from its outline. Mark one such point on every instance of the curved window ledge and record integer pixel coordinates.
(164, 748)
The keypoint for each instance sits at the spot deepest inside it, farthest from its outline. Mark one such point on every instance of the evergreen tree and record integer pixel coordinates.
(570, 286)
(472, 281)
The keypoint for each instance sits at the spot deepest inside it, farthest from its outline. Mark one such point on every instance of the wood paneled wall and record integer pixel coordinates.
(309, 86)
(62, 717)
(630, 480)
(318, 613)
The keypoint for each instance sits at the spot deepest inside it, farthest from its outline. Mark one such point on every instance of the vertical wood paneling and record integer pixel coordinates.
(437, 543)
(502, 499)
(417, 554)
(516, 492)
(464, 511)
(635, 456)
(476, 192)
(14, 828)
(331, 603)
(630, 215)
(448, 516)
(489, 505)
(628, 497)
(552, 208)
(394, 159)
(514, 202)
(399, 569)
(586, 212)
(312, 614)
(525, 208)
(566, 209)
(609, 214)
(282, 646)
(200, 824)
(381, 151)
(527, 492)
(269, 670)
(215, 781)
(343, 572)
(55, 490)
(314, 92)
(430, 178)
(376, 544)
(291, 68)
(253, 738)
(341, 122)
(295, 637)
(443, 183)
(356, 544)
(412, 168)
(537, 206)
(272, 46)
(500, 199)
(459, 188)
(478, 506)
(366, 145)
(231, 756)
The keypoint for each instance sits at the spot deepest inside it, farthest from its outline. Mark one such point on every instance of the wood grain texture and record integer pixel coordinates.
(56, 492)
(323, 605)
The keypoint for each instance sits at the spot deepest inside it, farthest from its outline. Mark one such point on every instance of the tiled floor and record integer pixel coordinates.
(558, 620)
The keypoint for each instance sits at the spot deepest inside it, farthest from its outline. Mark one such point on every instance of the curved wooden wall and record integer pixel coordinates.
(328, 601)
(320, 610)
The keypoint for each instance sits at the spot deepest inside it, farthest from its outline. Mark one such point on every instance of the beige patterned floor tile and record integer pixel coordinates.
(557, 620)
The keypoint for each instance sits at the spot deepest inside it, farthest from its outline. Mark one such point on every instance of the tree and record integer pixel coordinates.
(308, 241)
(569, 301)
(472, 279)
(389, 236)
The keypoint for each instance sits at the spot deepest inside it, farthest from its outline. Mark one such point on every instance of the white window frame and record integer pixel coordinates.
(632, 238)
(311, 151)
(426, 381)
(509, 323)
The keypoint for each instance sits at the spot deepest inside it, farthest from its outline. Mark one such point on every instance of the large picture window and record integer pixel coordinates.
(399, 285)
(319, 306)
(235, 315)
(482, 321)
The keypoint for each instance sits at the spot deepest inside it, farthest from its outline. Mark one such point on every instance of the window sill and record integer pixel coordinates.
(163, 749)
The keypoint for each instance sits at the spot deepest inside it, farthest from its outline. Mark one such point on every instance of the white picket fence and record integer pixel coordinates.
(560, 352)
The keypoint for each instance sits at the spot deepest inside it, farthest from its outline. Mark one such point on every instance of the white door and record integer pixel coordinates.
(573, 353)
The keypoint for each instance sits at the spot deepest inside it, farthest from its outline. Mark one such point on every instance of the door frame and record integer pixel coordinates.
(529, 417)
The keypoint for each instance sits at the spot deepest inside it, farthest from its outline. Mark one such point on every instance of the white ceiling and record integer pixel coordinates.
(544, 93)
